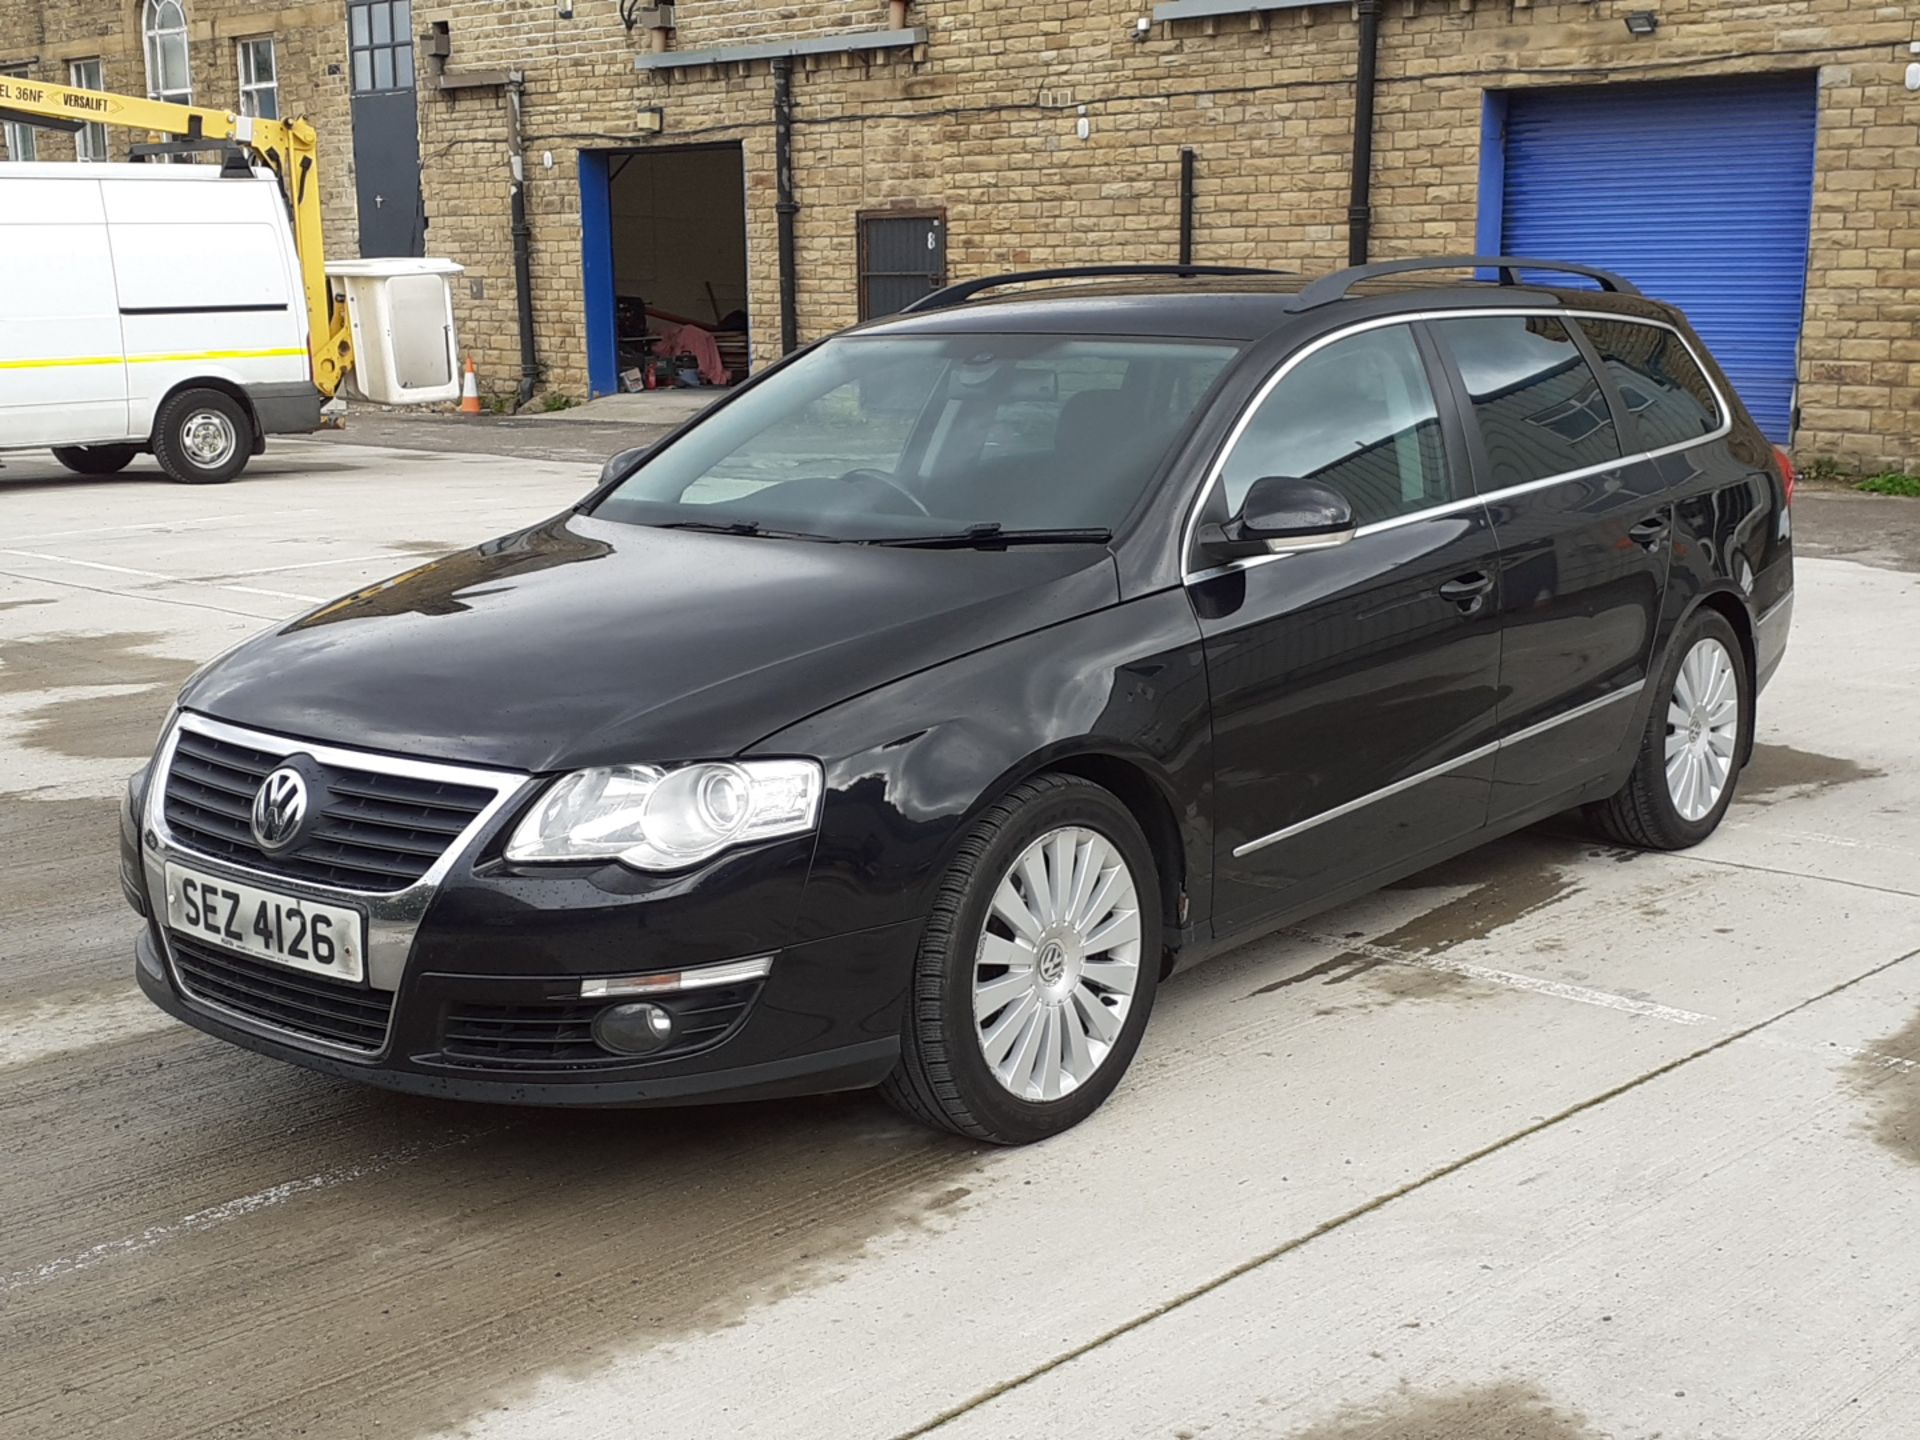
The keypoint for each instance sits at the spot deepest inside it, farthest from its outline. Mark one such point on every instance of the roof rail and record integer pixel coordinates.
(959, 294)
(1329, 288)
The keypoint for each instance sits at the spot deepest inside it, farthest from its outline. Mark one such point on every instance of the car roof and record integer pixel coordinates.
(1231, 307)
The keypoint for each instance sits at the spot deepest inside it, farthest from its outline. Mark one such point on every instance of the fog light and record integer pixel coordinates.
(633, 1029)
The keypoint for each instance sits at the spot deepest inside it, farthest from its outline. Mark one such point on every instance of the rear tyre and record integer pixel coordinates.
(1037, 969)
(202, 437)
(95, 459)
(1689, 761)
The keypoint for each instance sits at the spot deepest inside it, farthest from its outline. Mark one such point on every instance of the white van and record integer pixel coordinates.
(150, 308)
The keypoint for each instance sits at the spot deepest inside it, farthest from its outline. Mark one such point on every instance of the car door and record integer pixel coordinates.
(1582, 527)
(1353, 686)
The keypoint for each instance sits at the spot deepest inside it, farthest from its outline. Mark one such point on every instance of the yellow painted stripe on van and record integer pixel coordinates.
(181, 356)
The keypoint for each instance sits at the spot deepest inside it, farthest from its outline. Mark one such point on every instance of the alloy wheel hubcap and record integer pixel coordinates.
(1057, 964)
(208, 438)
(1703, 727)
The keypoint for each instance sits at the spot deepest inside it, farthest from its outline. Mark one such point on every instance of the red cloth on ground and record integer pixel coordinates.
(689, 340)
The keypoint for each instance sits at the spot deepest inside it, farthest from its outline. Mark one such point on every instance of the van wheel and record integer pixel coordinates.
(1689, 759)
(95, 459)
(1037, 968)
(202, 437)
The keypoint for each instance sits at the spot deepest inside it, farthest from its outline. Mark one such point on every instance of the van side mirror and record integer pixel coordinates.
(623, 464)
(1281, 514)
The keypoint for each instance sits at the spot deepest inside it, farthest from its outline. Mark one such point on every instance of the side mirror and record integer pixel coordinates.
(623, 464)
(1281, 514)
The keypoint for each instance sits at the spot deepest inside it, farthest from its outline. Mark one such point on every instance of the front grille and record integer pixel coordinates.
(376, 832)
(560, 1036)
(291, 999)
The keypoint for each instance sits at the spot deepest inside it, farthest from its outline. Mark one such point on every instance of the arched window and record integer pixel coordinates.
(168, 78)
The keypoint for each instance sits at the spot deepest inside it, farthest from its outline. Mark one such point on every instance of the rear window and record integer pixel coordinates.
(1658, 378)
(1538, 403)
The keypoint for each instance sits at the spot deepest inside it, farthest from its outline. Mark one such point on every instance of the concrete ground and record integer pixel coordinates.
(1556, 1142)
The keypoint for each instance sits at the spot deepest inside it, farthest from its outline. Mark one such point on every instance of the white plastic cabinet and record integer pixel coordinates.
(405, 350)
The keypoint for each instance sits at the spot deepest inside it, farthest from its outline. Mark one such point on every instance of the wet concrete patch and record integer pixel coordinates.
(1509, 1410)
(1780, 771)
(93, 726)
(541, 1245)
(1893, 1090)
(62, 921)
(431, 549)
(1508, 884)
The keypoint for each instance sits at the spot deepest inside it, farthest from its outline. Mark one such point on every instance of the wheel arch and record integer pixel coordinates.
(1728, 602)
(1148, 797)
(227, 386)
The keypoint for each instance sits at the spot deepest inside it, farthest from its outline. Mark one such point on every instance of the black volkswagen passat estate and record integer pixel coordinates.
(906, 718)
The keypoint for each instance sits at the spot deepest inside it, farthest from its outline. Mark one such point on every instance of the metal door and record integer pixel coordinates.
(1353, 687)
(386, 128)
(1699, 191)
(902, 257)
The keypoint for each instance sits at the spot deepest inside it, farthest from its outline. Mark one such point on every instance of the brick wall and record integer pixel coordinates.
(309, 42)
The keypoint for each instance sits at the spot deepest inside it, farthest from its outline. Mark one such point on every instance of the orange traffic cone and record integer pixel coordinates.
(470, 392)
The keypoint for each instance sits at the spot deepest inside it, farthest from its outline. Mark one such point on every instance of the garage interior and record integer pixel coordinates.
(678, 228)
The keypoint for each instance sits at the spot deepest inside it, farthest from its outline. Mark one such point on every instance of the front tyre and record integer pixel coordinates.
(1689, 761)
(95, 459)
(1037, 969)
(202, 437)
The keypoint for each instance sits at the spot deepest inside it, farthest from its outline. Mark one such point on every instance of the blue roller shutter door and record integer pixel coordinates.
(1700, 192)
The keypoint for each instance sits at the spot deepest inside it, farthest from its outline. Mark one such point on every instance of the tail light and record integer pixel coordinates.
(1787, 475)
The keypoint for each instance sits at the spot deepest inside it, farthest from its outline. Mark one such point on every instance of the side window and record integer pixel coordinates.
(1540, 408)
(1358, 416)
(1657, 376)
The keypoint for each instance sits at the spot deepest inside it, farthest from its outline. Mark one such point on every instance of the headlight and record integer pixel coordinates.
(654, 819)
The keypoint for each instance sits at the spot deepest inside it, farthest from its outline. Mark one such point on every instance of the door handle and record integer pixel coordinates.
(1467, 591)
(1649, 532)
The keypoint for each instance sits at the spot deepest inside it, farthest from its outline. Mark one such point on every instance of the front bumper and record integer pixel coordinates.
(853, 1066)
(474, 971)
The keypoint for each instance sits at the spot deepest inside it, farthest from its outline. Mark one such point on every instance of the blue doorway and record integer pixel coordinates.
(1700, 192)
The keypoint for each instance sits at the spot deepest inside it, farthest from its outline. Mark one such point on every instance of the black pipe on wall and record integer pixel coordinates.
(1365, 82)
(784, 206)
(522, 246)
(1186, 206)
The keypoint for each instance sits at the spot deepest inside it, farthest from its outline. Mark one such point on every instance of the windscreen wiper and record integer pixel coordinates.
(992, 536)
(743, 527)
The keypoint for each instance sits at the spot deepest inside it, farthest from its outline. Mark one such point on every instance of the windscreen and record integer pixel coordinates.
(877, 437)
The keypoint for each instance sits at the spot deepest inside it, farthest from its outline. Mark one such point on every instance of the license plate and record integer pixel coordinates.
(284, 929)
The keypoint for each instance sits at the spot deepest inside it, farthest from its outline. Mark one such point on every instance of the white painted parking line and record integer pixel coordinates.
(186, 524)
(162, 576)
(144, 596)
(56, 1026)
(229, 1210)
(1558, 989)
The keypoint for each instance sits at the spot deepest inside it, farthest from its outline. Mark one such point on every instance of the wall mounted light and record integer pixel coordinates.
(1642, 23)
(1142, 28)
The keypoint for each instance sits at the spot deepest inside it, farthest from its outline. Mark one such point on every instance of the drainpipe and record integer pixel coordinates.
(784, 205)
(522, 242)
(1359, 203)
(1186, 206)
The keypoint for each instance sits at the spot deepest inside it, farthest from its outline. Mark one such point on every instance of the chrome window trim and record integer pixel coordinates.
(1467, 502)
(1478, 753)
(392, 918)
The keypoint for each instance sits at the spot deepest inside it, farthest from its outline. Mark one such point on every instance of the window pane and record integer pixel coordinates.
(383, 69)
(402, 20)
(362, 71)
(1657, 378)
(1358, 416)
(1540, 409)
(382, 23)
(403, 66)
(173, 62)
(358, 15)
(268, 103)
